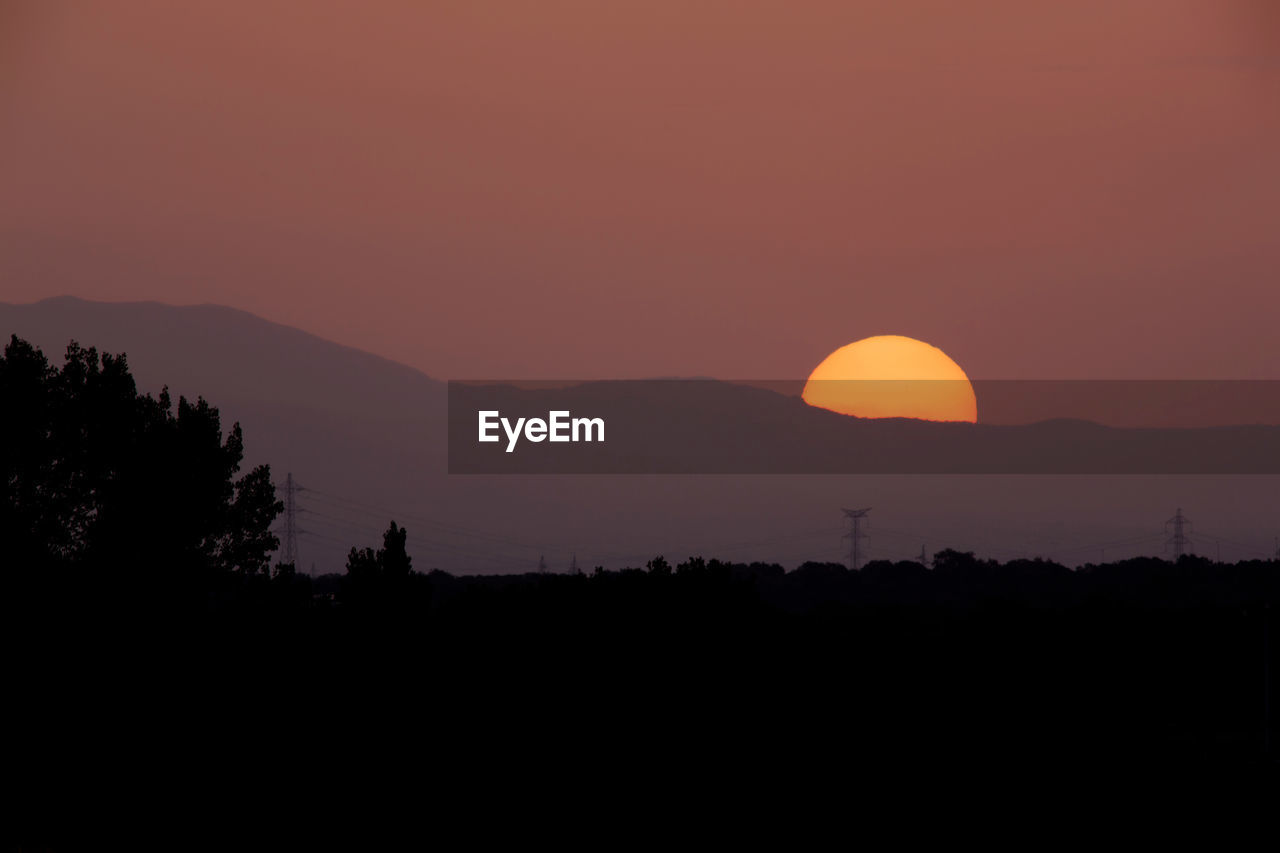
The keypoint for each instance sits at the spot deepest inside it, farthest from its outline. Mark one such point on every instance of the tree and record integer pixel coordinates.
(385, 573)
(94, 475)
(950, 561)
(389, 561)
(394, 557)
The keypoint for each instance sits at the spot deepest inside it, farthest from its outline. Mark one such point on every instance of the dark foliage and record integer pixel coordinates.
(383, 579)
(135, 560)
(98, 478)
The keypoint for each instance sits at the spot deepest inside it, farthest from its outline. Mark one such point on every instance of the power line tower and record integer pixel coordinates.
(573, 565)
(923, 558)
(290, 521)
(542, 564)
(1180, 542)
(855, 535)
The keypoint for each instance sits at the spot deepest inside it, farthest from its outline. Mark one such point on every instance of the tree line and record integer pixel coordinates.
(137, 559)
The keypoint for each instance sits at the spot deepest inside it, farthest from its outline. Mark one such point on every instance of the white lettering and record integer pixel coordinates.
(558, 427)
(512, 434)
(487, 422)
(586, 424)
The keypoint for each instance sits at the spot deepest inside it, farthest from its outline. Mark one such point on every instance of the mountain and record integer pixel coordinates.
(712, 427)
(366, 440)
(356, 426)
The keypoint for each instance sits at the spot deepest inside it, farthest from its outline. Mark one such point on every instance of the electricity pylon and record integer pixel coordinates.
(1179, 540)
(855, 536)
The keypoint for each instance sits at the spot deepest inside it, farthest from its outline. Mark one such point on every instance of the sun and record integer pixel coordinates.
(891, 376)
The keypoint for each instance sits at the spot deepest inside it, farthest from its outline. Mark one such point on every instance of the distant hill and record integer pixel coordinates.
(220, 352)
(352, 424)
(710, 427)
(367, 438)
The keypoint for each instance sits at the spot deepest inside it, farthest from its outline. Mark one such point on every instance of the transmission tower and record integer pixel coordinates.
(290, 521)
(1180, 524)
(855, 535)
(542, 565)
(573, 565)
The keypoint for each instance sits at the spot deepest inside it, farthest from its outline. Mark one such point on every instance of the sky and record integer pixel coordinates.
(1084, 189)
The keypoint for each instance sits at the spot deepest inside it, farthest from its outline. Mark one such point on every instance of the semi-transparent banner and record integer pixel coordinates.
(702, 426)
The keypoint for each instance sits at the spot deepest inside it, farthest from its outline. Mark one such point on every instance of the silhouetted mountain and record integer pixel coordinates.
(348, 422)
(224, 354)
(366, 436)
(709, 427)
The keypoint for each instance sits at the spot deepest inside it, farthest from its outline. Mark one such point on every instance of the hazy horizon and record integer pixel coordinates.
(359, 431)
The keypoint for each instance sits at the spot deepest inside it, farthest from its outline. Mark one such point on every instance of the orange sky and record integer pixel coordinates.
(669, 187)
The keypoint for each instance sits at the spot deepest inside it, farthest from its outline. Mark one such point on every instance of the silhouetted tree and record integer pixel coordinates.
(394, 557)
(385, 575)
(389, 561)
(659, 566)
(692, 566)
(362, 565)
(95, 475)
(957, 562)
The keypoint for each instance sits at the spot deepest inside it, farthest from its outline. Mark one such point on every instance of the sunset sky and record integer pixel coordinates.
(669, 187)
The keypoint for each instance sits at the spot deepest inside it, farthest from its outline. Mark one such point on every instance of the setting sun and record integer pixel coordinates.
(891, 376)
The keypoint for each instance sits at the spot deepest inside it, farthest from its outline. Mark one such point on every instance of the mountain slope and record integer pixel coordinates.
(357, 425)
(365, 437)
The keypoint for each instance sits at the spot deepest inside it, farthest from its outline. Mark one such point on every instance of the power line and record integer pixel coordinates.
(348, 505)
(1239, 546)
(339, 509)
(418, 546)
(348, 527)
(364, 528)
(290, 521)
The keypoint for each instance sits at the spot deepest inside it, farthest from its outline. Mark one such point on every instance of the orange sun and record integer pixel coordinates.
(890, 376)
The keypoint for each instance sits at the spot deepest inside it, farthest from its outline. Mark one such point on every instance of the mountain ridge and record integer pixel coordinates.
(365, 436)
